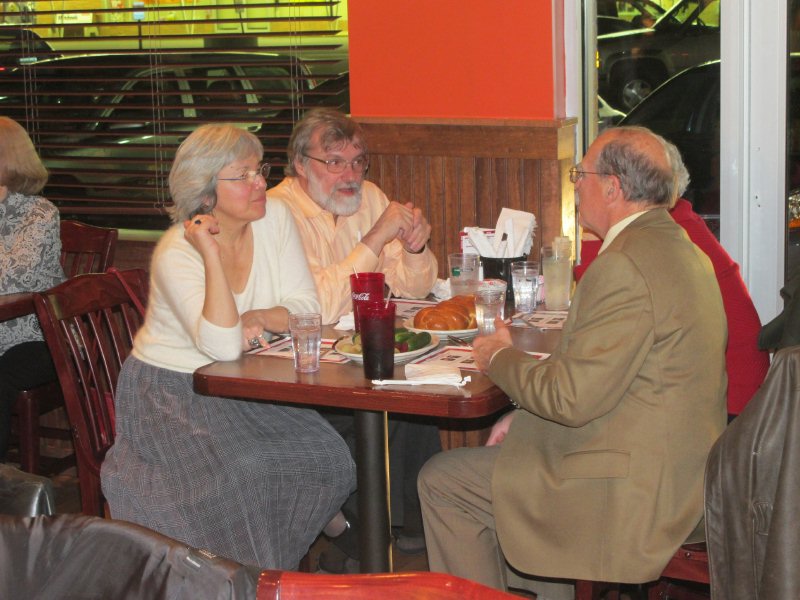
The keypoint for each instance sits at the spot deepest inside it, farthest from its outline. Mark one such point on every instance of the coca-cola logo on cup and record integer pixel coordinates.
(360, 296)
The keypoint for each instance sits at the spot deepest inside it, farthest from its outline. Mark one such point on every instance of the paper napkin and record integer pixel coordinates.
(346, 322)
(422, 374)
(441, 289)
(517, 227)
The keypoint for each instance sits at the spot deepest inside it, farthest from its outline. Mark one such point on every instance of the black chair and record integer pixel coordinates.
(24, 494)
(76, 556)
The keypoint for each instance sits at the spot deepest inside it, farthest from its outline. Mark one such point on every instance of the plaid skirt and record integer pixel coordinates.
(250, 481)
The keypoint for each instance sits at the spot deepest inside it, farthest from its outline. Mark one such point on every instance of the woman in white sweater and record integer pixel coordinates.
(253, 482)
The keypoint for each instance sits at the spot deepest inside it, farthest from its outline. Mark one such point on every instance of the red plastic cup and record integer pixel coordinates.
(365, 287)
(377, 339)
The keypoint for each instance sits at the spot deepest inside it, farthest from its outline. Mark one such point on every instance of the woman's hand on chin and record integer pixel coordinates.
(199, 231)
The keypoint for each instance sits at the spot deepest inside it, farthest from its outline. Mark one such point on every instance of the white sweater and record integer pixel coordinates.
(175, 335)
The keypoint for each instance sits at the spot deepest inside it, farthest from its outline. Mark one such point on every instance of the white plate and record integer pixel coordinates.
(399, 357)
(463, 334)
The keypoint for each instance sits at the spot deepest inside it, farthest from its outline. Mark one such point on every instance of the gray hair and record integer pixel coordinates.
(193, 177)
(21, 169)
(336, 128)
(680, 173)
(641, 178)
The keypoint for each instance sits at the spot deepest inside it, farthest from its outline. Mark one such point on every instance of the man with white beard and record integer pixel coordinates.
(349, 225)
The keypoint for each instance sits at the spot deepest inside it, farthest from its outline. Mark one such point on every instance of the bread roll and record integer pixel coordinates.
(449, 315)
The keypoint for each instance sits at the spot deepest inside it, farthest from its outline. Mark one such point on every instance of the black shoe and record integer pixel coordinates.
(335, 562)
(347, 541)
(410, 544)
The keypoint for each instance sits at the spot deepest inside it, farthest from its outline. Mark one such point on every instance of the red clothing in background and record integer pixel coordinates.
(745, 363)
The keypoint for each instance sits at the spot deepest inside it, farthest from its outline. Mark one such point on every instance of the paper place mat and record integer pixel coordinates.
(453, 356)
(283, 349)
(460, 356)
(541, 319)
(408, 308)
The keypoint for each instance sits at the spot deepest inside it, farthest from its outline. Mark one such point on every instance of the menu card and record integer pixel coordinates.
(541, 319)
(459, 356)
(283, 349)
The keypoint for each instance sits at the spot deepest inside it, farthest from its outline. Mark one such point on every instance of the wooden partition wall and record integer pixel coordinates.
(462, 172)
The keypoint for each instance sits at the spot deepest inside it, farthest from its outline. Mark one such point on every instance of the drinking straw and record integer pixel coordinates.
(354, 271)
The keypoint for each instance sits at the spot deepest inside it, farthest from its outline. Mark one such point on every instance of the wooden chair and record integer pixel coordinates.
(291, 585)
(89, 323)
(84, 249)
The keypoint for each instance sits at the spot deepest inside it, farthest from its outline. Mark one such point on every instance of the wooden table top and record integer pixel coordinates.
(269, 378)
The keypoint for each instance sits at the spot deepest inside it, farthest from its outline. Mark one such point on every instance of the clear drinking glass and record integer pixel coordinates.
(557, 272)
(499, 285)
(464, 272)
(525, 280)
(306, 330)
(489, 303)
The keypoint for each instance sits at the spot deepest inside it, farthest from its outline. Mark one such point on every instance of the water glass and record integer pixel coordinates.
(557, 270)
(306, 330)
(499, 285)
(489, 303)
(500, 268)
(365, 287)
(525, 280)
(377, 339)
(464, 270)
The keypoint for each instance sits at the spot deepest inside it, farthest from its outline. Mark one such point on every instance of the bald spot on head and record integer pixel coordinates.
(643, 140)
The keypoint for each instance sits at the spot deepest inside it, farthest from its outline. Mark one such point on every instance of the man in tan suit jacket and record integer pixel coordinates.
(599, 473)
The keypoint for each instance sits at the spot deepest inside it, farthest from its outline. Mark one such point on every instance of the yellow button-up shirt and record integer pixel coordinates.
(334, 249)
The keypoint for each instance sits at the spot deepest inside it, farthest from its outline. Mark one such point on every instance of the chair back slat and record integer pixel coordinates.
(86, 248)
(89, 323)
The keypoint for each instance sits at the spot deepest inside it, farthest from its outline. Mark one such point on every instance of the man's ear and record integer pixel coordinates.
(300, 168)
(612, 187)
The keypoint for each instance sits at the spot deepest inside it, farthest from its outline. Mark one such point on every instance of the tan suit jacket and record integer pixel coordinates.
(601, 474)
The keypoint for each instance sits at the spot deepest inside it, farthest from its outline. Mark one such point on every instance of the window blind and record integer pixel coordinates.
(108, 89)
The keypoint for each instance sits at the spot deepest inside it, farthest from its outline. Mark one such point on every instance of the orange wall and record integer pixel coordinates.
(453, 58)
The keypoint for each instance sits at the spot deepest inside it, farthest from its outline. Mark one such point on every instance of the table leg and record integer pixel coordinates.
(375, 543)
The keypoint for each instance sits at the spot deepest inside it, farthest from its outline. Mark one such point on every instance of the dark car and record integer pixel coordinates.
(686, 111)
(107, 125)
(22, 46)
(631, 64)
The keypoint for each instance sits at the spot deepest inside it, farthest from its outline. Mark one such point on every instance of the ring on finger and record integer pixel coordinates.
(254, 343)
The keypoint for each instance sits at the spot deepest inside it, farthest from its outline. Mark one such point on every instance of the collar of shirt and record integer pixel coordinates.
(310, 208)
(617, 228)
